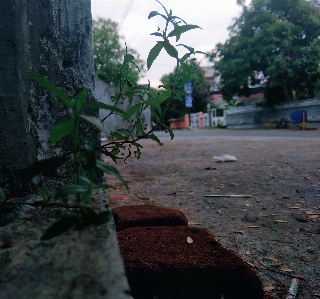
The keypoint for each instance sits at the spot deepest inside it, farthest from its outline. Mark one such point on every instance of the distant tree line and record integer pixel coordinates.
(274, 43)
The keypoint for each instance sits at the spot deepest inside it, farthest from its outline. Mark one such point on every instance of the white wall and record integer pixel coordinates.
(104, 92)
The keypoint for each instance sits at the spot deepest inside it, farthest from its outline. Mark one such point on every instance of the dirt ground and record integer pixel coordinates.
(276, 230)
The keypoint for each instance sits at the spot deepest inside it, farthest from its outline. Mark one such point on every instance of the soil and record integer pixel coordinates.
(276, 230)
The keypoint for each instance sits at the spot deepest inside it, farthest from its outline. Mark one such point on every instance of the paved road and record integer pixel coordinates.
(242, 133)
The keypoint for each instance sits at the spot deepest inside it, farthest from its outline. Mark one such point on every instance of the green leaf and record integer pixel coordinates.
(62, 129)
(128, 58)
(169, 131)
(125, 131)
(79, 100)
(200, 52)
(164, 96)
(152, 101)
(190, 49)
(138, 145)
(84, 181)
(100, 105)
(3, 195)
(51, 87)
(116, 135)
(93, 120)
(157, 34)
(133, 110)
(102, 186)
(89, 215)
(59, 227)
(104, 217)
(154, 137)
(139, 127)
(186, 72)
(155, 13)
(181, 29)
(71, 189)
(184, 57)
(153, 54)
(40, 166)
(171, 50)
(108, 169)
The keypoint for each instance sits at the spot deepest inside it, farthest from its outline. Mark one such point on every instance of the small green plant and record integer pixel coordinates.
(77, 196)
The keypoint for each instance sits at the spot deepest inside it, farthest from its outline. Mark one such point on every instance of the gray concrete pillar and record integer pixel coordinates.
(53, 38)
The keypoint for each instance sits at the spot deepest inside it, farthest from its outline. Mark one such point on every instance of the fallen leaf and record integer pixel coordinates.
(143, 198)
(253, 226)
(272, 258)
(259, 265)
(252, 265)
(268, 288)
(194, 223)
(316, 294)
(248, 205)
(280, 221)
(189, 240)
(172, 193)
(240, 232)
(248, 252)
(301, 219)
(313, 216)
(294, 207)
(210, 168)
(262, 215)
(285, 269)
(306, 259)
(312, 213)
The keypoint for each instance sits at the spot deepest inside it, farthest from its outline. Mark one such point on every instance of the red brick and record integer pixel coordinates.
(147, 215)
(159, 261)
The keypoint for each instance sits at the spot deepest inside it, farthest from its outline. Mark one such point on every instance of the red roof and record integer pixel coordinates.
(217, 96)
(253, 96)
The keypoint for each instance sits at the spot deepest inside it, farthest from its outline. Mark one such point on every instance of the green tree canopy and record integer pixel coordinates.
(109, 53)
(195, 74)
(273, 41)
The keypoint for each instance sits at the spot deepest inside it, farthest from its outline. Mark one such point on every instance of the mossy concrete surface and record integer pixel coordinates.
(82, 263)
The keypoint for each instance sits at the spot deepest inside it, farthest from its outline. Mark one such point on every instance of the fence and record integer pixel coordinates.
(251, 117)
(203, 120)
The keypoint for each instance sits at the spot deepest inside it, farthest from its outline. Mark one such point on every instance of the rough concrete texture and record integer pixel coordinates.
(16, 150)
(80, 264)
(53, 38)
(186, 263)
(113, 122)
(147, 215)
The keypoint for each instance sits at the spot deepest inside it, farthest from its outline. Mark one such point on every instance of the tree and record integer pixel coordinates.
(200, 91)
(274, 43)
(109, 53)
(316, 3)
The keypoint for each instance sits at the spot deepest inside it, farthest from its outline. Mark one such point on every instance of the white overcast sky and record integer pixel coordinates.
(213, 16)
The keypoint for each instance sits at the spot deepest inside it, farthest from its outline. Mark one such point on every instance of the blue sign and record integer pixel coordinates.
(188, 97)
(188, 100)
